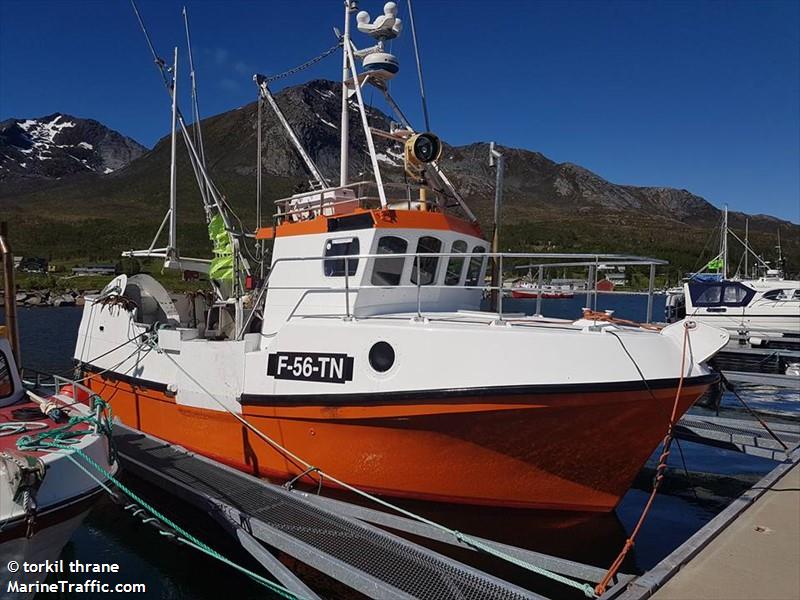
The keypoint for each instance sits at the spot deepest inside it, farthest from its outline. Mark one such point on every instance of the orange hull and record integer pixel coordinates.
(570, 451)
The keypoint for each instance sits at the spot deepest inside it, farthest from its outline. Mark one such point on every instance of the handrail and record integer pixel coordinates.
(57, 383)
(321, 203)
(599, 260)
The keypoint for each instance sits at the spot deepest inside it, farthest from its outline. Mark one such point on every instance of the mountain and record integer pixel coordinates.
(60, 146)
(547, 205)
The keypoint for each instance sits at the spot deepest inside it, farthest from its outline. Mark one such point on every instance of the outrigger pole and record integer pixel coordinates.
(261, 81)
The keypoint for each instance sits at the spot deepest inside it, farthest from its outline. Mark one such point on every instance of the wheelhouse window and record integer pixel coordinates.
(720, 294)
(387, 271)
(426, 265)
(341, 247)
(455, 264)
(6, 386)
(475, 267)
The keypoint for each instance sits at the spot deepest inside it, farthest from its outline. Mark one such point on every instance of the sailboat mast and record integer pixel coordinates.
(746, 245)
(725, 245)
(173, 175)
(349, 6)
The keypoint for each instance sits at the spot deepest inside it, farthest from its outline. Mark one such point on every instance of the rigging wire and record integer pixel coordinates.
(306, 65)
(419, 68)
(195, 106)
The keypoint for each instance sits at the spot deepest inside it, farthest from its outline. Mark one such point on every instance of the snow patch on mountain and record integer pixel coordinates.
(59, 145)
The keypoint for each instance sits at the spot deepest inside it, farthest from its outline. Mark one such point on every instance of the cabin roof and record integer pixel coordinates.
(372, 218)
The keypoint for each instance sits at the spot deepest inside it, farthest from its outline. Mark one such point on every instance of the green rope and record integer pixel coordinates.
(587, 589)
(63, 437)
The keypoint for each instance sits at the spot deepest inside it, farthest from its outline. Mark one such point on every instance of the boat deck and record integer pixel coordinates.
(17, 424)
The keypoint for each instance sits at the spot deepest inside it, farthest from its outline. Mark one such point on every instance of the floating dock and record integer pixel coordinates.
(759, 365)
(750, 550)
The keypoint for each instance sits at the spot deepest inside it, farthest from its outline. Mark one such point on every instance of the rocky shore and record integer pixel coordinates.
(42, 298)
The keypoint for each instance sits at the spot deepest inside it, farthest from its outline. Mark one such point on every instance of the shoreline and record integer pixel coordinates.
(48, 298)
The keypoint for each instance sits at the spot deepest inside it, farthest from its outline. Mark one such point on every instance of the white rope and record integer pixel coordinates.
(15, 427)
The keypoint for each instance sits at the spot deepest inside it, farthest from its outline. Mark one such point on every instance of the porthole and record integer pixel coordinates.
(381, 357)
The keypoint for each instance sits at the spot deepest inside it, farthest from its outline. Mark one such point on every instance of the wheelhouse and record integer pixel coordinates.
(370, 261)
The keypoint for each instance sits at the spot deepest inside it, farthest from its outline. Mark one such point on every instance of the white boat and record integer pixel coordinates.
(765, 307)
(364, 350)
(759, 307)
(44, 494)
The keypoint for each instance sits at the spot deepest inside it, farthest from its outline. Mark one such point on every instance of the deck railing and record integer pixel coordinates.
(400, 193)
(40, 383)
(503, 260)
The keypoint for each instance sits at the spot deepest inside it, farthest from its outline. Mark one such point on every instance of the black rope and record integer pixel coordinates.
(733, 391)
(635, 364)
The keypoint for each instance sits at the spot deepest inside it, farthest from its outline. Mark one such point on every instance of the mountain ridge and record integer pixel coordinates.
(61, 145)
(545, 202)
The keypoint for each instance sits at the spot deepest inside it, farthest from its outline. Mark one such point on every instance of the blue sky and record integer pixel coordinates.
(697, 95)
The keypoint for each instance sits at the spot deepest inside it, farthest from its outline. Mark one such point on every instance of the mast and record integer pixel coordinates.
(746, 244)
(173, 174)
(725, 245)
(349, 6)
(496, 158)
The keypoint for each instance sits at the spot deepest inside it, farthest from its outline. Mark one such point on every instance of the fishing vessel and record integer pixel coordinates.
(358, 341)
(44, 494)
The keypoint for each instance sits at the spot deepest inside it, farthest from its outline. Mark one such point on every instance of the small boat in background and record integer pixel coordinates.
(525, 289)
(763, 305)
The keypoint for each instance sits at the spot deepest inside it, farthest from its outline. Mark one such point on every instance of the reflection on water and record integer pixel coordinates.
(109, 534)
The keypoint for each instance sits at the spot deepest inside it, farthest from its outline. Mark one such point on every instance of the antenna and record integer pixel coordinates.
(419, 68)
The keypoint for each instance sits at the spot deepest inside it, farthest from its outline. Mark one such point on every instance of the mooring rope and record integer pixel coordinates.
(475, 543)
(661, 467)
(64, 438)
(729, 386)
